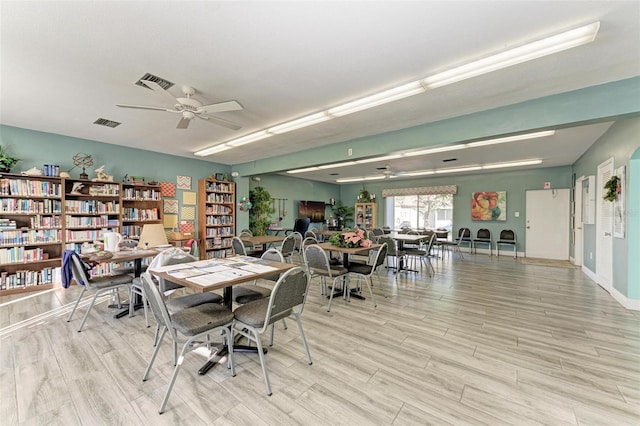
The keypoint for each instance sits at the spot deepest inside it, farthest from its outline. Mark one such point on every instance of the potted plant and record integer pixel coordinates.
(613, 187)
(343, 213)
(261, 210)
(6, 161)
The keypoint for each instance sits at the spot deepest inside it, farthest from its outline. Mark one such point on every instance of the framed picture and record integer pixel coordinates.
(489, 206)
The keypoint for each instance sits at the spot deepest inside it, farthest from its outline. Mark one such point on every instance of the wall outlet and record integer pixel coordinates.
(591, 255)
(350, 152)
(517, 214)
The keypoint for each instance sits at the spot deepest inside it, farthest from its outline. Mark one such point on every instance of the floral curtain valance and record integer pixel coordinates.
(423, 190)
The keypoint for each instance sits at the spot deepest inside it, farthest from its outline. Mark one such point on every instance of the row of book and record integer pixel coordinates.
(30, 188)
(20, 206)
(26, 278)
(92, 207)
(22, 255)
(218, 209)
(140, 214)
(7, 224)
(29, 236)
(135, 194)
(219, 220)
(104, 190)
(220, 198)
(85, 235)
(219, 254)
(219, 232)
(218, 187)
(218, 243)
(86, 221)
(45, 222)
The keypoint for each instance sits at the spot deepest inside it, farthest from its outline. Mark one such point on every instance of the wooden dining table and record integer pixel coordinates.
(263, 240)
(216, 274)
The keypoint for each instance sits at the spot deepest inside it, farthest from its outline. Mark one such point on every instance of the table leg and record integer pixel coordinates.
(353, 292)
(137, 302)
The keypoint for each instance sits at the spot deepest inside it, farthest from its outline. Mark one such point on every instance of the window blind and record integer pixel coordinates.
(423, 190)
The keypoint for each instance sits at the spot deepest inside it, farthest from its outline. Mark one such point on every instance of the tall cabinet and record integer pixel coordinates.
(141, 203)
(366, 215)
(30, 232)
(216, 217)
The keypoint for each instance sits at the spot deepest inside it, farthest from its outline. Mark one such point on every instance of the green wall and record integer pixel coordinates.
(514, 182)
(37, 148)
(633, 227)
(619, 142)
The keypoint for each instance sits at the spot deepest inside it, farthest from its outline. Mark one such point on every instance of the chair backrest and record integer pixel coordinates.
(381, 255)
(431, 241)
(238, 246)
(156, 301)
(297, 238)
(172, 257)
(308, 241)
(288, 245)
(301, 225)
(391, 244)
(507, 235)
(377, 231)
(246, 233)
(316, 258)
(290, 291)
(79, 271)
(310, 234)
(483, 234)
(274, 255)
(464, 234)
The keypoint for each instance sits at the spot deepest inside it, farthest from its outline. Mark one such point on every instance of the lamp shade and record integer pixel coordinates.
(152, 234)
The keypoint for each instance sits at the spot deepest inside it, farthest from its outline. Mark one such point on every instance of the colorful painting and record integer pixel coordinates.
(489, 205)
(168, 189)
(184, 182)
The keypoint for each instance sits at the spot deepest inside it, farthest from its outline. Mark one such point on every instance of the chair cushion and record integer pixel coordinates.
(246, 294)
(179, 303)
(201, 318)
(335, 271)
(360, 268)
(110, 281)
(254, 313)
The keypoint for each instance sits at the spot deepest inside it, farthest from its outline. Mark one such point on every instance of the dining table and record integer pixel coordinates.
(220, 274)
(406, 238)
(346, 252)
(265, 241)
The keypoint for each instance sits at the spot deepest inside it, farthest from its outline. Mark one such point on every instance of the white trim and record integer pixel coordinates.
(572, 260)
(589, 273)
(633, 304)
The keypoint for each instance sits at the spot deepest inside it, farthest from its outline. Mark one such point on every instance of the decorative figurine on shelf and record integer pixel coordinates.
(82, 160)
(34, 171)
(77, 187)
(101, 175)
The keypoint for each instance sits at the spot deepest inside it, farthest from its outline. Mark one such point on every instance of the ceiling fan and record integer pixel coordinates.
(190, 108)
(386, 171)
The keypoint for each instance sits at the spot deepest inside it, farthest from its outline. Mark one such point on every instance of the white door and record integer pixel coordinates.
(547, 224)
(604, 228)
(577, 222)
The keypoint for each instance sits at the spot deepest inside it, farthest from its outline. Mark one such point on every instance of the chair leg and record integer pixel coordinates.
(86, 315)
(262, 361)
(273, 326)
(371, 291)
(77, 303)
(304, 340)
(173, 377)
(333, 290)
(155, 353)
(229, 336)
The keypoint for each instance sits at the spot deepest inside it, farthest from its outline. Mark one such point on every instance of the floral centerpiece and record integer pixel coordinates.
(350, 239)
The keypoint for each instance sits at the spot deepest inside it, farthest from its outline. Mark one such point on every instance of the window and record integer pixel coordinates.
(421, 211)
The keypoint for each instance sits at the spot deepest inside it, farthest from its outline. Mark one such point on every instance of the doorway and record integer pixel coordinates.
(604, 228)
(577, 222)
(547, 224)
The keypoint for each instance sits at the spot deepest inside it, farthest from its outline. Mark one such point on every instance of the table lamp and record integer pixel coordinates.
(152, 235)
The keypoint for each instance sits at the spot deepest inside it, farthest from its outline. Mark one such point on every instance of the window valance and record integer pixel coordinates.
(423, 190)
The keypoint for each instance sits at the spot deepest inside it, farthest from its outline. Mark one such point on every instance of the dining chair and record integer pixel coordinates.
(97, 285)
(287, 300)
(364, 272)
(508, 238)
(318, 265)
(392, 252)
(187, 327)
(287, 248)
(483, 236)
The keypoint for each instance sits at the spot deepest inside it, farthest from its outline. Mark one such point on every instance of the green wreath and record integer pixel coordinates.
(613, 188)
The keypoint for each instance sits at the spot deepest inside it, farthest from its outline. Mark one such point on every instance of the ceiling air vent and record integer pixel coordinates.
(448, 160)
(165, 84)
(105, 122)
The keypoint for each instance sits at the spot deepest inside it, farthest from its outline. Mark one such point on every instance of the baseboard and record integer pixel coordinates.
(632, 304)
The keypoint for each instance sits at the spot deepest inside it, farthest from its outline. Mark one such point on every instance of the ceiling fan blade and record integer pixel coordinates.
(157, 88)
(183, 123)
(221, 122)
(144, 107)
(221, 107)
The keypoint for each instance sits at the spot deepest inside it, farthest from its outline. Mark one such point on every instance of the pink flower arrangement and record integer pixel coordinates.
(351, 239)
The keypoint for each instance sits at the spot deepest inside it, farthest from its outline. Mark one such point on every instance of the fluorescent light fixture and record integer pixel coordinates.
(434, 150)
(512, 164)
(299, 123)
(307, 169)
(373, 160)
(419, 173)
(459, 170)
(335, 165)
(518, 55)
(361, 178)
(212, 150)
(387, 96)
(511, 138)
(249, 138)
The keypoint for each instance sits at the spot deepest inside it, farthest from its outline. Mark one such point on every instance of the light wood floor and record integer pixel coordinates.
(486, 341)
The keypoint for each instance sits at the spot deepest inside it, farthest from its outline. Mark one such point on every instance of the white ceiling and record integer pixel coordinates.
(65, 64)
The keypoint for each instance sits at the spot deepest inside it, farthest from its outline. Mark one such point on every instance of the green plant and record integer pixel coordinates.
(7, 161)
(364, 196)
(613, 187)
(261, 210)
(343, 213)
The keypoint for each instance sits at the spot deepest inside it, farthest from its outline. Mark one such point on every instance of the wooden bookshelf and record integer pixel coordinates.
(216, 217)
